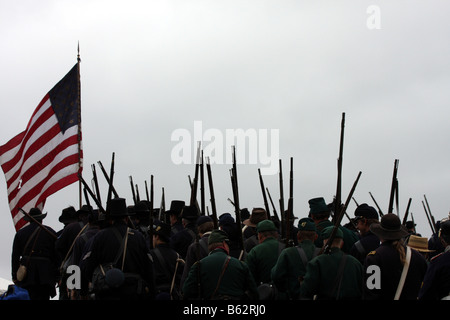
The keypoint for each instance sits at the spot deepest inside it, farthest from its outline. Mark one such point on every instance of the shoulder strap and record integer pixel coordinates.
(29, 239)
(303, 256)
(162, 261)
(122, 249)
(225, 265)
(339, 276)
(71, 246)
(360, 247)
(404, 272)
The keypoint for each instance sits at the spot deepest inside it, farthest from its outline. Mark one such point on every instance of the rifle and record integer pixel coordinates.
(234, 184)
(105, 174)
(338, 200)
(86, 186)
(393, 188)
(111, 178)
(195, 184)
(432, 226)
(132, 190)
(150, 229)
(407, 212)
(290, 211)
(355, 202)
(211, 192)
(202, 186)
(162, 207)
(282, 213)
(379, 210)
(146, 190)
(138, 198)
(429, 211)
(39, 224)
(97, 189)
(275, 214)
(266, 205)
(327, 247)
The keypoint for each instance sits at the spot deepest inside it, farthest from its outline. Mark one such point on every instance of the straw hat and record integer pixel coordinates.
(419, 243)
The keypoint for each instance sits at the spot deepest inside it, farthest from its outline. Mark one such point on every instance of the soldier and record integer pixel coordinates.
(64, 243)
(182, 239)
(333, 276)
(219, 276)
(168, 264)
(176, 206)
(436, 283)
(227, 223)
(68, 215)
(263, 257)
(249, 230)
(320, 212)
(132, 276)
(199, 248)
(34, 248)
(365, 215)
(290, 268)
(390, 258)
(141, 219)
(95, 223)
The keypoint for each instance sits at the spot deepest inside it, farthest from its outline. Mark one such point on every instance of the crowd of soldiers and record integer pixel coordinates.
(133, 252)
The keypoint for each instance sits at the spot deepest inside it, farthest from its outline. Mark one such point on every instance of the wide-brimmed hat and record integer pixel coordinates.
(117, 207)
(36, 213)
(190, 213)
(318, 205)
(68, 214)
(418, 243)
(258, 215)
(389, 228)
(176, 206)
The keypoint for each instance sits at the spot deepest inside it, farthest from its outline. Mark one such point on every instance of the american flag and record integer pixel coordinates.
(47, 156)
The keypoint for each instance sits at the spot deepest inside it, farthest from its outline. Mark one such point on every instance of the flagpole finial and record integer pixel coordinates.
(78, 49)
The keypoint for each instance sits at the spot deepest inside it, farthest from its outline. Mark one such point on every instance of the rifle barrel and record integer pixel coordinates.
(327, 245)
(211, 192)
(266, 204)
(393, 187)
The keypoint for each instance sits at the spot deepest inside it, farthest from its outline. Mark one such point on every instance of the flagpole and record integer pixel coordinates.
(79, 125)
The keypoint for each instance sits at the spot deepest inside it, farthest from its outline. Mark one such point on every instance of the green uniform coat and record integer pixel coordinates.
(290, 269)
(262, 258)
(321, 274)
(237, 281)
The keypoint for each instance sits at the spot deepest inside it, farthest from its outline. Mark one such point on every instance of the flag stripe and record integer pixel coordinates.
(14, 148)
(40, 168)
(47, 156)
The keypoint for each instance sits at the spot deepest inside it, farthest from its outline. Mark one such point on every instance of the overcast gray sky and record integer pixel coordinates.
(150, 68)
